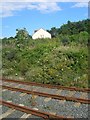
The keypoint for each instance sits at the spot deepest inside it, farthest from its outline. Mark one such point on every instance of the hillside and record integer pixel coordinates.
(46, 61)
(61, 60)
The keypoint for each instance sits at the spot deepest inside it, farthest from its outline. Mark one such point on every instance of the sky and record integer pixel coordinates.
(39, 14)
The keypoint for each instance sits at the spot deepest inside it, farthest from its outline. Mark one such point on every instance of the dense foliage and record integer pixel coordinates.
(70, 28)
(61, 60)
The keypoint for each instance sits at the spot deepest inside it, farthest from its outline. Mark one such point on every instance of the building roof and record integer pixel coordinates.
(38, 30)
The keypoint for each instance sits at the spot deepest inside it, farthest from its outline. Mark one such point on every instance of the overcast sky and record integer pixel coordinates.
(39, 14)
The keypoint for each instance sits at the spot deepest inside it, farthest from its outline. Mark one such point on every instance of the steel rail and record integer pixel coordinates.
(46, 85)
(28, 110)
(59, 97)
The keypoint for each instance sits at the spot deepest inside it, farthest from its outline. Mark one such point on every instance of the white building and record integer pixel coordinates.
(41, 33)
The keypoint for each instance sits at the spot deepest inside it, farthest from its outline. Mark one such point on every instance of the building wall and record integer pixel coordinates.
(41, 34)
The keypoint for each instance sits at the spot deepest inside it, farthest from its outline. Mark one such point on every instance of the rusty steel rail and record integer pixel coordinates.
(59, 97)
(28, 110)
(47, 85)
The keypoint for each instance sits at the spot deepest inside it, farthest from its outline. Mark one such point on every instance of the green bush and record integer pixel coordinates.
(48, 61)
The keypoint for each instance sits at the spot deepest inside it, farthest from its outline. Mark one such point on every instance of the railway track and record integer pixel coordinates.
(62, 91)
(46, 85)
(27, 110)
(85, 101)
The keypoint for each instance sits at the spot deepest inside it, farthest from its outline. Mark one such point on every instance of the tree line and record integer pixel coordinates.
(71, 32)
(70, 28)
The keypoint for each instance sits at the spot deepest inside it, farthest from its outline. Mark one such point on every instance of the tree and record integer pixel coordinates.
(74, 27)
(22, 37)
(22, 34)
(54, 32)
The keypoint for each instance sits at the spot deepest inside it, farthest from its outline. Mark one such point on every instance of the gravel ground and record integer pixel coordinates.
(10, 95)
(77, 94)
(4, 109)
(65, 108)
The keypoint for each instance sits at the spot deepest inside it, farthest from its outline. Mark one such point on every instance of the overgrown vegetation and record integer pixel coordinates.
(62, 60)
(71, 28)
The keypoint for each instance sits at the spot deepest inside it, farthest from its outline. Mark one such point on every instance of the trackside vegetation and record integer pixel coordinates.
(62, 60)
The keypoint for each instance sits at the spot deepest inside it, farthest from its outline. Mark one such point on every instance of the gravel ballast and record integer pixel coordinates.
(59, 107)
